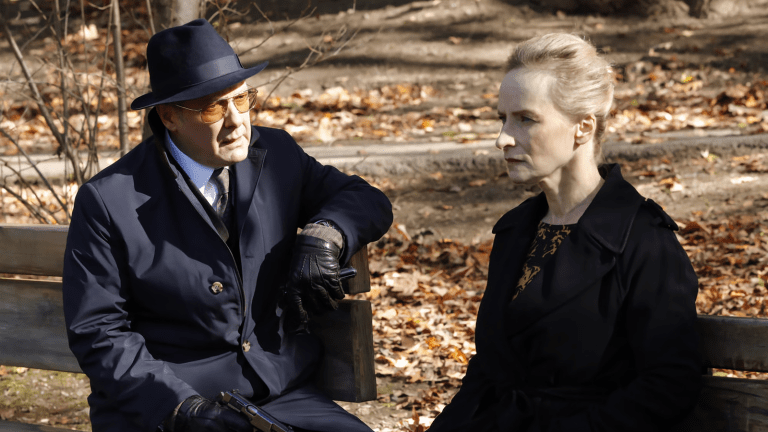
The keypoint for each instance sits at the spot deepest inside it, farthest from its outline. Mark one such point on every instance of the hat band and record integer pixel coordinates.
(197, 75)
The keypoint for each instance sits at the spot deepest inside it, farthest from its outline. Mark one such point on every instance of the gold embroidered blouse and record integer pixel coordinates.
(544, 245)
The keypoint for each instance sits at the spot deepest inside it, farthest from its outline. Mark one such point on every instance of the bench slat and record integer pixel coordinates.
(32, 249)
(348, 343)
(734, 342)
(10, 426)
(362, 281)
(33, 334)
(729, 404)
(32, 326)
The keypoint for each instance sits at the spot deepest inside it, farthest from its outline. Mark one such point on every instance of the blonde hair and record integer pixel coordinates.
(583, 79)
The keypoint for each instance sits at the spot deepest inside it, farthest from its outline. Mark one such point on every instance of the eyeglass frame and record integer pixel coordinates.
(251, 104)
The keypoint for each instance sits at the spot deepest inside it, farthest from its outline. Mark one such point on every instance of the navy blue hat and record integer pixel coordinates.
(188, 62)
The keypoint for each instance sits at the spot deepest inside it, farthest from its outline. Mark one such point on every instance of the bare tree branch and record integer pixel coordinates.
(122, 118)
(40, 103)
(34, 166)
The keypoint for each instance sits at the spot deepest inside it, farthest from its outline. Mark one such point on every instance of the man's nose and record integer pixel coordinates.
(232, 117)
(504, 140)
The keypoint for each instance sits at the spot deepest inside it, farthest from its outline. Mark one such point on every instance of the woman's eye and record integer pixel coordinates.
(525, 119)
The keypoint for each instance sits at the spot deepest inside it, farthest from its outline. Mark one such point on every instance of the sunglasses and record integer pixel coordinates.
(216, 111)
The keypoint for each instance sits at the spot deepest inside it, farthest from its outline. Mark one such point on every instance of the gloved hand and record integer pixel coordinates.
(198, 414)
(313, 282)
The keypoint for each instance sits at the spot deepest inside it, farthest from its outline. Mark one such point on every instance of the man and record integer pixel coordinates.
(172, 272)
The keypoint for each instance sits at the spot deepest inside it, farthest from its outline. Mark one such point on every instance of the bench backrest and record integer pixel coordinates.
(732, 404)
(33, 333)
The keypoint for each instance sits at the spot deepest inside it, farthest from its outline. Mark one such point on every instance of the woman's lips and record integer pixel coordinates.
(512, 160)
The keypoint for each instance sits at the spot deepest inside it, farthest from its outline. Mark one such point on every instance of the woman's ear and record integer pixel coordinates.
(169, 117)
(585, 129)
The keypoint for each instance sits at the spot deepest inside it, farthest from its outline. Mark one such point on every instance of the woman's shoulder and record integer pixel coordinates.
(652, 233)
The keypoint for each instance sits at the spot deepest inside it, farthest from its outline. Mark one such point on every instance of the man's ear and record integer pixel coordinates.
(585, 129)
(169, 117)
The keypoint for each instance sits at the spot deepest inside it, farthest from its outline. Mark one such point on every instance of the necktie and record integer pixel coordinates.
(220, 178)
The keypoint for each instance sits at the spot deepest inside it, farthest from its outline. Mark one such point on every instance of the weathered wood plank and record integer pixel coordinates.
(32, 249)
(346, 371)
(734, 343)
(9, 426)
(362, 282)
(729, 405)
(32, 330)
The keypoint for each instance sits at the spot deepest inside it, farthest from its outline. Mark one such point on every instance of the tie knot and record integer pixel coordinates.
(221, 177)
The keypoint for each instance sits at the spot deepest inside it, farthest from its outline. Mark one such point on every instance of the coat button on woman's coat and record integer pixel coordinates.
(246, 346)
(217, 287)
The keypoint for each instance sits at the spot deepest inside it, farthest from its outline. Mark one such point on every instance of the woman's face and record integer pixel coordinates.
(537, 139)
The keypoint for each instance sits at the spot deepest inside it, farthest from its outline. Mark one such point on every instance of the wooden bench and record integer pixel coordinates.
(732, 404)
(33, 333)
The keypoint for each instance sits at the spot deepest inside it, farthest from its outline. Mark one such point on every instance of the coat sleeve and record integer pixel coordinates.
(362, 211)
(660, 321)
(96, 309)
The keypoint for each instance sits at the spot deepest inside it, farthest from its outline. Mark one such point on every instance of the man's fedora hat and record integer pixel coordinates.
(188, 62)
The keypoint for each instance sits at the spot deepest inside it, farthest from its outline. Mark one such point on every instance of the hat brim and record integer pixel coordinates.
(198, 90)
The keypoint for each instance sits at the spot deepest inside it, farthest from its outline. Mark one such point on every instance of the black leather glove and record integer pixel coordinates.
(313, 282)
(198, 414)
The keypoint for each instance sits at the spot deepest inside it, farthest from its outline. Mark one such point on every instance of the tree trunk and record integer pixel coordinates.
(171, 13)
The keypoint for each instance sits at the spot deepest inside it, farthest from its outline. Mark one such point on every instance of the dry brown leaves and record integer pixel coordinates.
(425, 298)
(663, 94)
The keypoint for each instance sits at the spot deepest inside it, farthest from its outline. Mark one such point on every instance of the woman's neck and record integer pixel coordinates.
(570, 191)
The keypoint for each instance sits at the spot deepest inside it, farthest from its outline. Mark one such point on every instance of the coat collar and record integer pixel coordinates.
(607, 220)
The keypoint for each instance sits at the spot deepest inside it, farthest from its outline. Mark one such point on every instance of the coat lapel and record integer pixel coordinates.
(514, 233)
(247, 175)
(581, 260)
(251, 239)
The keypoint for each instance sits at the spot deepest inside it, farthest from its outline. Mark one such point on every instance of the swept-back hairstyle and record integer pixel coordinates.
(583, 79)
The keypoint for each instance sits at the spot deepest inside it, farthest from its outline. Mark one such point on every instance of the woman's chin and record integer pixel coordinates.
(521, 178)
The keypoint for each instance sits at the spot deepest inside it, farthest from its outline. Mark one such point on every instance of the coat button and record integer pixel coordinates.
(217, 287)
(246, 346)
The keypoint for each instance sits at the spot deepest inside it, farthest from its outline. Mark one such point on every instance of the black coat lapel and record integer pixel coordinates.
(247, 175)
(514, 233)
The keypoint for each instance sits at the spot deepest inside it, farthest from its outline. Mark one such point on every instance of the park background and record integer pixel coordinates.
(404, 93)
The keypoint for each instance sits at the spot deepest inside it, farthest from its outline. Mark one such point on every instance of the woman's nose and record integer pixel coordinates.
(504, 140)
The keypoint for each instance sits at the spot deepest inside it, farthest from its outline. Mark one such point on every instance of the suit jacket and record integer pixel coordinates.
(144, 318)
(605, 342)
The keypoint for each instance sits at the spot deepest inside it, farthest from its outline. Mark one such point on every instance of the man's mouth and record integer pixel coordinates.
(231, 140)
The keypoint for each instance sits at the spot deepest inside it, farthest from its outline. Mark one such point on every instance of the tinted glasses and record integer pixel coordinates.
(216, 111)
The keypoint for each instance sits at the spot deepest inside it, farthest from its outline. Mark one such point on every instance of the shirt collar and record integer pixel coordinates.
(198, 173)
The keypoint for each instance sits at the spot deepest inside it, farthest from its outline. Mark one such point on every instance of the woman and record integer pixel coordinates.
(588, 320)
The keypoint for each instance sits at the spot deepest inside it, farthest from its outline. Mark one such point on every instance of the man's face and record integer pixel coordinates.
(217, 144)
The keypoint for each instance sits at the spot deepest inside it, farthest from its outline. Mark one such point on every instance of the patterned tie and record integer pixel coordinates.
(220, 178)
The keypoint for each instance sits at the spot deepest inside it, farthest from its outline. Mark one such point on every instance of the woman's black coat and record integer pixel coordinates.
(607, 341)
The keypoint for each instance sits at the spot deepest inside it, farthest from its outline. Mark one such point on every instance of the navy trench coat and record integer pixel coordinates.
(144, 318)
(606, 342)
